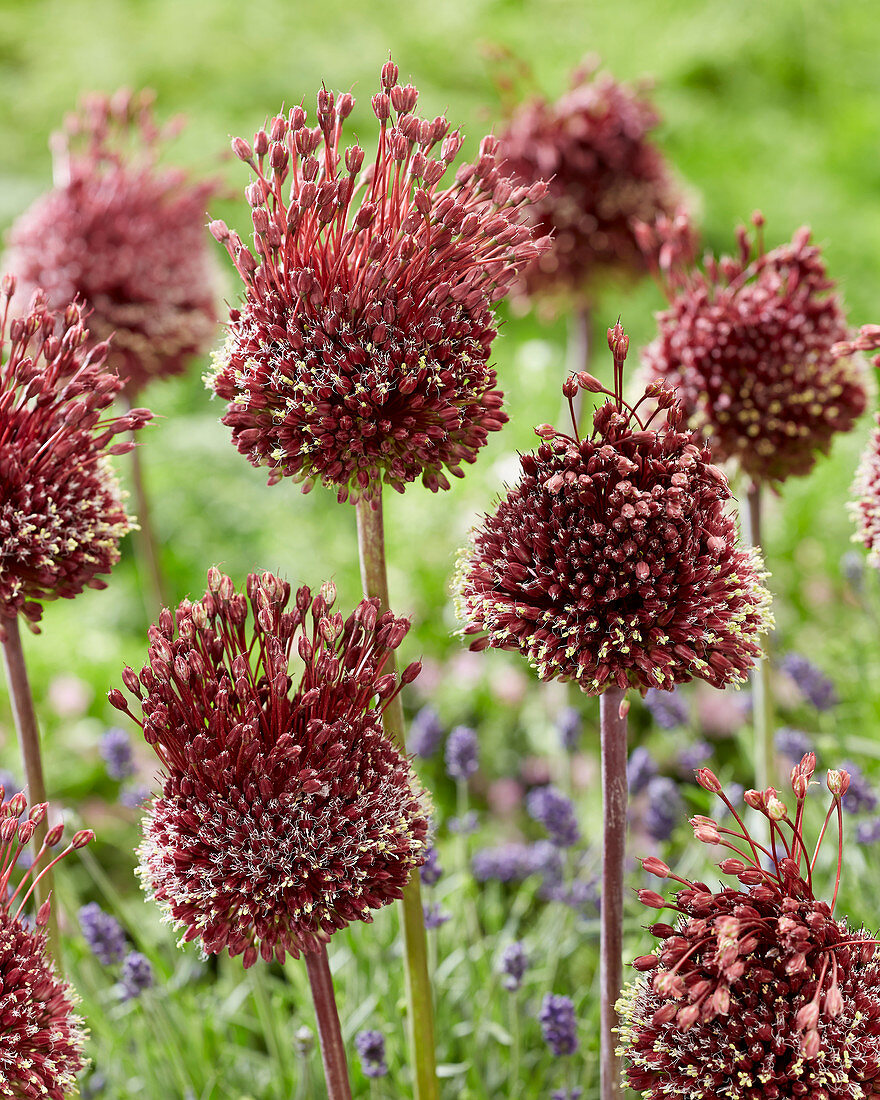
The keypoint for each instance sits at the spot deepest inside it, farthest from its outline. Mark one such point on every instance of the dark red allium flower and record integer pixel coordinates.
(61, 512)
(748, 344)
(127, 236)
(41, 1037)
(593, 146)
(756, 993)
(285, 811)
(614, 561)
(360, 353)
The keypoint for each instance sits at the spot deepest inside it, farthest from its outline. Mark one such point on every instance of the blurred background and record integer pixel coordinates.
(765, 106)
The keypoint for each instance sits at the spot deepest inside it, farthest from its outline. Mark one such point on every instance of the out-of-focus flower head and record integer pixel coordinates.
(759, 989)
(425, 732)
(41, 1037)
(116, 751)
(103, 933)
(663, 809)
(554, 810)
(569, 727)
(462, 753)
(614, 560)
(752, 345)
(559, 1024)
(593, 146)
(817, 688)
(515, 962)
(285, 811)
(640, 770)
(136, 976)
(360, 353)
(370, 1046)
(126, 235)
(792, 743)
(434, 915)
(61, 511)
(669, 710)
(860, 796)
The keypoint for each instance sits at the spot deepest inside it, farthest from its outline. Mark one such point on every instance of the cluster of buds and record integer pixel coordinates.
(285, 812)
(360, 352)
(41, 1037)
(61, 512)
(758, 991)
(125, 235)
(594, 147)
(749, 344)
(614, 560)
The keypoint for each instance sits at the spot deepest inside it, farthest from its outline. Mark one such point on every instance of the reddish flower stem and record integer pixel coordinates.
(146, 545)
(420, 1017)
(29, 742)
(329, 1031)
(762, 694)
(614, 805)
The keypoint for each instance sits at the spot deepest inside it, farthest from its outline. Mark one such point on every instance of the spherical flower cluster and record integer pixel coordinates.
(614, 559)
(360, 354)
(41, 1037)
(760, 992)
(593, 146)
(127, 237)
(285, 811)
(749, 343)
(61, 513)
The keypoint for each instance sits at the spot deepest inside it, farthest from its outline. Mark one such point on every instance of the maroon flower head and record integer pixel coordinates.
(614, 560)
(760, 992)
(748, 344)
(285, 812)
(360, 353)
(41, 1037)
(593, 146)
(127, 236)
(61, 513)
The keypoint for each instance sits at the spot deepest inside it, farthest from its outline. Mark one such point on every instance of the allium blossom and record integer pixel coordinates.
(614, 561)
(865, 507)
(751, 345)
(593, 146)
(285, 812)
(61, 511)
(760, 991)
(360, 353)
(127, 236)
(41, 1037)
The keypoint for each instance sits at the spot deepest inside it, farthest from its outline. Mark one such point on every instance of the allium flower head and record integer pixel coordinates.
(757, 991)
(285, 812)
(614, 559)
(360, 353)
(41, 1037)
(61, 512)
(127, 236)
(749, 344)
(594, 147)
(865, 507)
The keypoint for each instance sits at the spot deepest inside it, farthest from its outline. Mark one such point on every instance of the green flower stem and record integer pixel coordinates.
(763, 716)
(614, 805)
(329, 1031)
(145, 543)
(578, 352)
(29, 742)
(420, 1018)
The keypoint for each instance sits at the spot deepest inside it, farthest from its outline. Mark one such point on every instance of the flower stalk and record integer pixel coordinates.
(763, 717)
(329, 1031)
(420, 1019)
(145, 542)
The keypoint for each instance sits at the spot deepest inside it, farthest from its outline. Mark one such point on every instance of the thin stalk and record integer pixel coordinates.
(763, 718)
(145, 544)
(29, 742)
(614, 805)
(578, 350)
(420, 1017)
(329, 1031)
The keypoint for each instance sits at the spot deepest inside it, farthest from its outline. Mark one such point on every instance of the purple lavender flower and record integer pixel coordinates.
(861, 796)
(734, 792)
(811, 681)
(503, 863)
(9, 783)
(134, 795)
(545, 859)
(582, 894)
(370, 1046)
(431, 870)
(868, 832)
(694, 756)
(569, 727)
(425, 733)
(640, 770)
(558, 1024)
(116, 752)
(792, 743)
(664, 809)
(852, 566)
(103, 934)
(434, 916)
(514, 963)
(552, 809)
(465, 825)
(567, 1094)
(669, 709)
(462, 756)
(136, 976)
